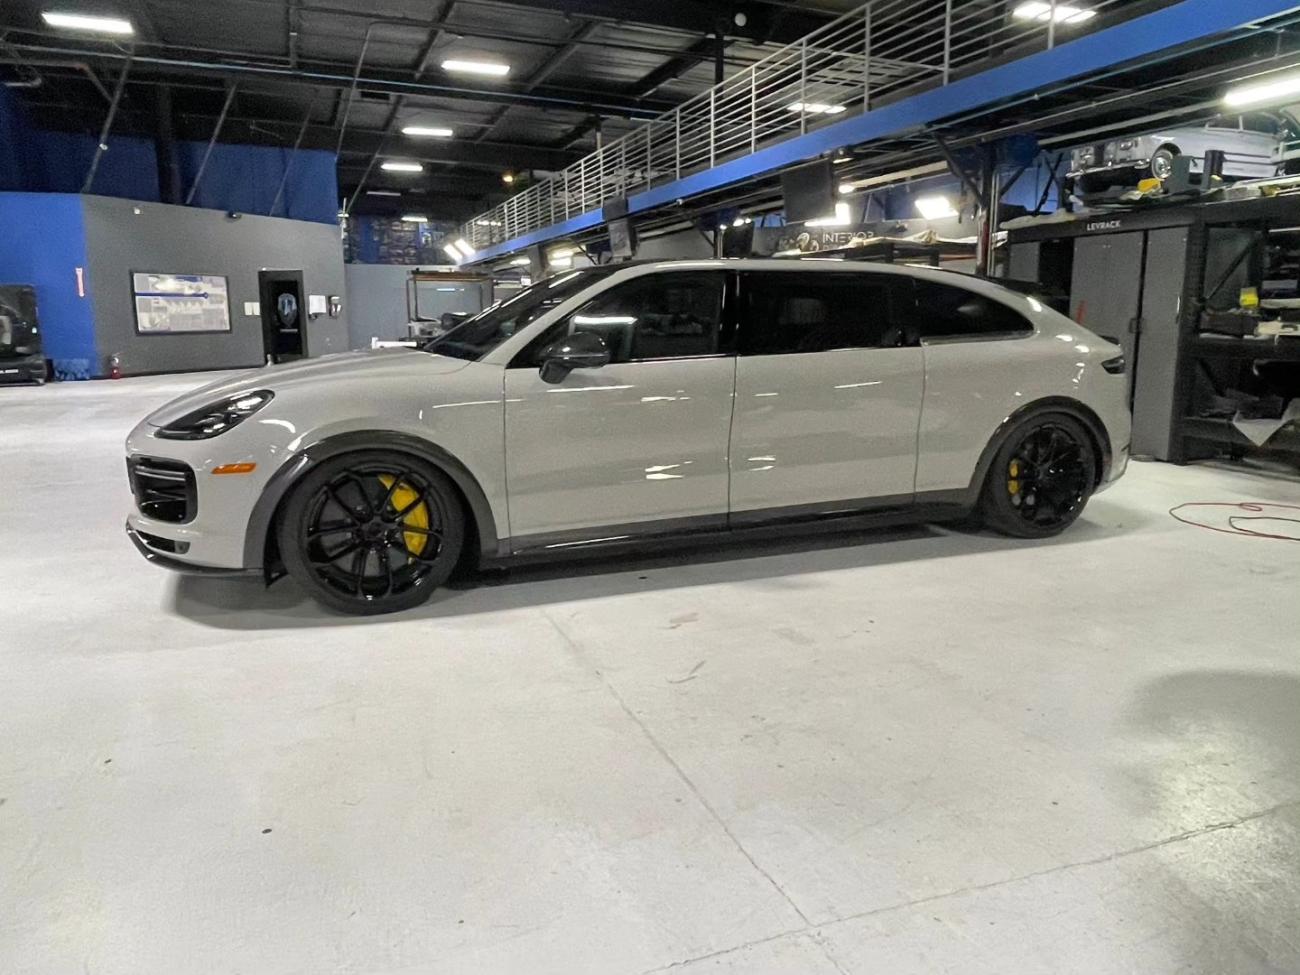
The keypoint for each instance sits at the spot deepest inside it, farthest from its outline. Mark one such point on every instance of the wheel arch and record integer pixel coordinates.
(1050, 404)
(259, 540)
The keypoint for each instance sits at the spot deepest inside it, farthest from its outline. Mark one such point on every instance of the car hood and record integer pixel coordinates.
(377, 364)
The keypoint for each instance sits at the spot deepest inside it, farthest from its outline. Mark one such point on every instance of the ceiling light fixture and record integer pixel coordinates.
(846, 189)
(520, 262)
(428, 131)
(935, 207)
(415, 218)
(1278, 90)
(507, 178)
(841, 218)
(85, 22)
(383, 192)
(492, 68)
(814, 108)
(396, 166)
(487, 223)
(1044, 12)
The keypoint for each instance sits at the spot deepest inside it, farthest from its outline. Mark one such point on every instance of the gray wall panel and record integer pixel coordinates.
(123, 236)
(377, 296)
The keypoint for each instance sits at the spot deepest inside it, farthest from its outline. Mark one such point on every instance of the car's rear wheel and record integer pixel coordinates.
(372, 532)
(1041, 477)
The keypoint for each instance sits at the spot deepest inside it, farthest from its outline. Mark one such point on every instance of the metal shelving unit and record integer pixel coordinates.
(1229, 247)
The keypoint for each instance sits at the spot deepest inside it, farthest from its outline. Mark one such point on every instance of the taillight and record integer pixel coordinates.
(1116, 366)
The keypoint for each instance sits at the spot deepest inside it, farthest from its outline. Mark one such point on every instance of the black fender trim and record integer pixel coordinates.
(1051, 404)
(289, 473)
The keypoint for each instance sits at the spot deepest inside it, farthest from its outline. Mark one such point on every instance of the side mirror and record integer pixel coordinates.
(581, 350)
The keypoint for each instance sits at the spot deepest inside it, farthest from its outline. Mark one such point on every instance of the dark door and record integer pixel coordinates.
(284, 315)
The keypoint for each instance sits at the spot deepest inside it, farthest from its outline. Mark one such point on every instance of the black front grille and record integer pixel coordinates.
(163, 489)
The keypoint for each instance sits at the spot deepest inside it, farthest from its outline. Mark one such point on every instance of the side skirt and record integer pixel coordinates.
(644, 538)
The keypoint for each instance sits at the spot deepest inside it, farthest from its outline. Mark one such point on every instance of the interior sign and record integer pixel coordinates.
(1100, 225)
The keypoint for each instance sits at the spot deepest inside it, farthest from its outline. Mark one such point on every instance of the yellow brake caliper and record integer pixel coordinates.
(1013, 480)
(417, 517)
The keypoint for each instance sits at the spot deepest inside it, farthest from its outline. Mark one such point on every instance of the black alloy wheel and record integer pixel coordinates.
(372, 532)
(1041, 478)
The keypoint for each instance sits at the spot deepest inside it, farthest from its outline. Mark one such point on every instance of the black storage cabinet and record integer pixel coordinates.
(21, 357)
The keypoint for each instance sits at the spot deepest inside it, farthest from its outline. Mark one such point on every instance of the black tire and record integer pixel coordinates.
(1041, 477)
(355, 531)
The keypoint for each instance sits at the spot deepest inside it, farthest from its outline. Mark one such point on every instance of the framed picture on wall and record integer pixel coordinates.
(171, 304)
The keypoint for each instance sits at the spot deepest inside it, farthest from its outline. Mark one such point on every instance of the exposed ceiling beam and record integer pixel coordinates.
(477, 31)
(340, 76)
(765, 21)
(547, 68)
(196, 125)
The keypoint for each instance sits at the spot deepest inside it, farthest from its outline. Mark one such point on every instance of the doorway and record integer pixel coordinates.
(284, 313)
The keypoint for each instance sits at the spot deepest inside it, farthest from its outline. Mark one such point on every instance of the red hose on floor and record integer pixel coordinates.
(1250, 511)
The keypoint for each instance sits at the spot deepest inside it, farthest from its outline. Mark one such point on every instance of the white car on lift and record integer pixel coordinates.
(1249, 142)
(616, 406)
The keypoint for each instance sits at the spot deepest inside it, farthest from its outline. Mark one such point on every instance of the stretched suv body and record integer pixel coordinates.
(617, 403)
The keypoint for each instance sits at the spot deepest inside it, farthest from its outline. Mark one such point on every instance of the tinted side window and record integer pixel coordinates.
(944, 311)
(659, 316)
(790, 312)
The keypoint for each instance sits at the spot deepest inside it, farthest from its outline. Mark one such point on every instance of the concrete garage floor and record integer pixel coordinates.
(916, 752)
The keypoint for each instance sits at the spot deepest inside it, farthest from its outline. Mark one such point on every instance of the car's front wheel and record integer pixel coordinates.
(372, 532)
(1041, 477)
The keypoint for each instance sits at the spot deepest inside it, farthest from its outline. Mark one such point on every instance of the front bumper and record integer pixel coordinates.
(212, 536)
(144, 545)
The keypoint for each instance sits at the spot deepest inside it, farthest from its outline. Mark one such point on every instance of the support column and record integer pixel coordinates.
(169, 171)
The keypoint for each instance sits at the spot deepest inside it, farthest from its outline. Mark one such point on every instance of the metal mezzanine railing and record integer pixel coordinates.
(878, 52)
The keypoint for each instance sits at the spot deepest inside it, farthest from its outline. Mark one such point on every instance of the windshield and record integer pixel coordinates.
(475, 338)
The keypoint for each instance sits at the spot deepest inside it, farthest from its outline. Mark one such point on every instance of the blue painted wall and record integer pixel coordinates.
(238, 177)
(43, 243)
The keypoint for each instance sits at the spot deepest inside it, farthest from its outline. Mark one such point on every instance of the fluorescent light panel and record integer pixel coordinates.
(935, 207)
(383, 192)
(396, 166)
(451, 252)
(1064, 13)
(841, 218)
(94, 25)
(491, 68)
(1259, 93)
(428, 131)
(415, 218)
(462, 245)
(814, 108)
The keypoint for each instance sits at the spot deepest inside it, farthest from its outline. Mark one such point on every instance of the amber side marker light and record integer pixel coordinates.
(245, 468)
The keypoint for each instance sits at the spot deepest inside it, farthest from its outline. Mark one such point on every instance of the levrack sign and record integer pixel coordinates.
(1101, 226)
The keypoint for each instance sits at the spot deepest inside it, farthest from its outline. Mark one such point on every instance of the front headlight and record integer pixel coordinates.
(214, 420)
